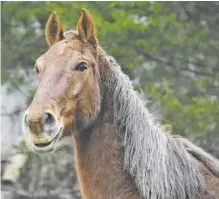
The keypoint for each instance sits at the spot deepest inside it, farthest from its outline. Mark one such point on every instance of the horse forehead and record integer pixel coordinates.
(67, 48)
(60, 48)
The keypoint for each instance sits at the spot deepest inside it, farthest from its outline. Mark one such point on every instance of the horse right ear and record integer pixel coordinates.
(54, 30)
(85, 27)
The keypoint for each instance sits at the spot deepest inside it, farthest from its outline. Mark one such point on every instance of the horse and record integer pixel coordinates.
(121, 151)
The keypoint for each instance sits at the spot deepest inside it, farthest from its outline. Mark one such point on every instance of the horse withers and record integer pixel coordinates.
(120, 150)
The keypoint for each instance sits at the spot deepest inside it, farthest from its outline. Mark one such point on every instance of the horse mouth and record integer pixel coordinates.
(47, 147)
(42, 145)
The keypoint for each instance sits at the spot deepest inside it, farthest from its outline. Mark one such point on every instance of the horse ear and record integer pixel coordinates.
(54, 30)
(86, 27)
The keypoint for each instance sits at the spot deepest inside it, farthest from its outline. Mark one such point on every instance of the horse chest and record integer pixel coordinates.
(100, 167)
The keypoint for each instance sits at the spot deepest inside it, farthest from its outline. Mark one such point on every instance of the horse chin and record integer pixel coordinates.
(49, 147)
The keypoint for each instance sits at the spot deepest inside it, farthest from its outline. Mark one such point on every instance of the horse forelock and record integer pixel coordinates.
(70, 34)
(161, 166)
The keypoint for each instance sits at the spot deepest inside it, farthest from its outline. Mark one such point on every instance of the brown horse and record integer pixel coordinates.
(120, 150)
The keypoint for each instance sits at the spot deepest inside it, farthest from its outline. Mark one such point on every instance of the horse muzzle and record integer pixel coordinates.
(43, 133)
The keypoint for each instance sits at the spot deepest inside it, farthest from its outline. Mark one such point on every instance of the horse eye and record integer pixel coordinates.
(81, 67)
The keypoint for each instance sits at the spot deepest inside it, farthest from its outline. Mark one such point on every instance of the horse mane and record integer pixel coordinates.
(208, 160)
(161, 165)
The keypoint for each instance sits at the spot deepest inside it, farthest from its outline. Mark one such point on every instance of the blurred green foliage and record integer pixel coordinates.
(22, 147)
(169, 48)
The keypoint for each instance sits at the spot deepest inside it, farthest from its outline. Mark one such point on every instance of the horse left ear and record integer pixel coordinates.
(54, 30)
(86, 27)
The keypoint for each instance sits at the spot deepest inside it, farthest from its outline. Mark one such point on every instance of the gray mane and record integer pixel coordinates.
(160, 163)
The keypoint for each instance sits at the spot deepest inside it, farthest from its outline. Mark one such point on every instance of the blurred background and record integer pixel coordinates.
(169, 49)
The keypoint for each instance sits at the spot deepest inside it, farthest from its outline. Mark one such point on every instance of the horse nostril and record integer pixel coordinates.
(49, 120)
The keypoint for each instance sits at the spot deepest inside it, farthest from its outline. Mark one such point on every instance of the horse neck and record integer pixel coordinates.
(99, 158)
